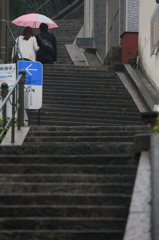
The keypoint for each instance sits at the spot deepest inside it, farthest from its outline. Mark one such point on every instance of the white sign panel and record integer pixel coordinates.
(33, 84)
(8, 73)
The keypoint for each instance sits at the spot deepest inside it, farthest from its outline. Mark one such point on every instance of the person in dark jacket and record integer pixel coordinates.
(44, 56)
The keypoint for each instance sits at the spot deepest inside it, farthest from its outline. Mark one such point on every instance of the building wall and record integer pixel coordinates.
(99, 31)
(133, 15)
(113, 23)
(122, 16)
(129, 16)
(150, 64)
(111, 19)
(129, 27)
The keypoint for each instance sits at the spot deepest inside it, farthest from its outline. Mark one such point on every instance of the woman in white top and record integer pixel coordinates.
(27, 45)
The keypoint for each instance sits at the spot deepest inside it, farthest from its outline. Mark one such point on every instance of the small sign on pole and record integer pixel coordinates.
(33, 84)
(8, 73)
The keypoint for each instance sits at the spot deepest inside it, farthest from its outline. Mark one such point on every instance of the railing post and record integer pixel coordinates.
(13, 119)
(4, 92)
(21, 100)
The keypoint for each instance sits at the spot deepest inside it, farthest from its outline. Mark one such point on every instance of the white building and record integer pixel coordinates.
(149, 39)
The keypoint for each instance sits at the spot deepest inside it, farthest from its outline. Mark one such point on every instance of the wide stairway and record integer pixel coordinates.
(73, 177)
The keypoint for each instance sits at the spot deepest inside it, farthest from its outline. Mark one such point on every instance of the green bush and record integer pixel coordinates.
(156, 127)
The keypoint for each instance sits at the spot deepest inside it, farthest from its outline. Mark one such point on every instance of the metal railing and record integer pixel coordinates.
(16, 46)
(63, 13)
(16, 98)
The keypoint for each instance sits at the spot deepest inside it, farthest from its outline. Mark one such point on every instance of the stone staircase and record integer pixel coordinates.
(73, 176)
(65, 191)
(77, 96)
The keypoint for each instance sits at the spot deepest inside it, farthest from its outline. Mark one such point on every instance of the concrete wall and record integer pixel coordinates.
(129, 16)
(99, 31)
(113, 23)
(150, 64)
(133, 15)
(106, 25)
(122, 16)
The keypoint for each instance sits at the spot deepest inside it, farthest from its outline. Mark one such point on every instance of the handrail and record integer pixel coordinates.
(41, 6)
(64, 12)
(14, 41)
(17, 105)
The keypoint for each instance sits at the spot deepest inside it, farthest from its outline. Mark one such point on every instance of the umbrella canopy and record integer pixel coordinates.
(34, 20)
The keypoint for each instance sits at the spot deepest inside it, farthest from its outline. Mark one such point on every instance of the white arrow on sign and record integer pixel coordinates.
(29, 69)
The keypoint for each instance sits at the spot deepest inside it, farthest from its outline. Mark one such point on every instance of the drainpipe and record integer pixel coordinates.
(4, 18)
(88, 18)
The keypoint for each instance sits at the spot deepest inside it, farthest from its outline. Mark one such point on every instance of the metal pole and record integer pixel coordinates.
(4, 17)
(19, 101)
(21, 98)
(13, 119)
(4, 92)
(38, 117)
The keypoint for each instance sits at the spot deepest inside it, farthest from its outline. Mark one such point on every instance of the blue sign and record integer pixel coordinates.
(34, 72)
(33, 83)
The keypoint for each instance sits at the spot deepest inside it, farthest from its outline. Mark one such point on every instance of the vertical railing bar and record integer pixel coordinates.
(29, 117)
(38, 117)
(4, 116)
(13, 119)
(19, 110)
(21, 93)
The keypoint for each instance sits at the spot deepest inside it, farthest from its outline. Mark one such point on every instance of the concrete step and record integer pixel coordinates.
(100, 139)
(83, 109)
(15, 211)
(103, 97)
(45, 133)
(69, 122)
(78, 73)
(44, 158)
(56, 88)
(69, 178)
(92, 129)
(54, 234)
(50, 223)
(81, 99)
(92, 108)
(65, 199)
(86, 114)
(72, 188)
(66, 169)
(123, 105)
(68, 149)
(85, 86)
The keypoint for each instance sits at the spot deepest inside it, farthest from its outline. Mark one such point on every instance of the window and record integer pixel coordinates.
(154, 32)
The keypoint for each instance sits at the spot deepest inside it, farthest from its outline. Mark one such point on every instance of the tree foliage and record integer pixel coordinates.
(52, 7)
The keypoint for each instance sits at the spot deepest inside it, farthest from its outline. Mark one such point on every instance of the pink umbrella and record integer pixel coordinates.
(34, 20)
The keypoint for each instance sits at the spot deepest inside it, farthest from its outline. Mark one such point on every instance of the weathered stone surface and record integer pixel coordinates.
(139, 221)
(113, 56)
